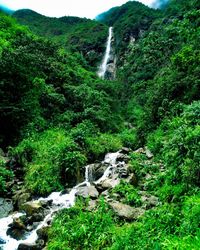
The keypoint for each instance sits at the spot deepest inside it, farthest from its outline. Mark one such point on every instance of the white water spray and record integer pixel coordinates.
(103, 66)
(59, 201)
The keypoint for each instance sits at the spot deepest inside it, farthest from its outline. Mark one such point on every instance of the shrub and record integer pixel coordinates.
(104, 143)
(76, 228)
(48, 158)
(128, 193)
(177, 143)
(5, 175)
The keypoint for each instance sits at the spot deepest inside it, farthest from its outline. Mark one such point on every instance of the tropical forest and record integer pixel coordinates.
(100, 129)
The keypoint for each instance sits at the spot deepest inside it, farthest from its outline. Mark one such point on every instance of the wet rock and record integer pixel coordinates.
(96, 170)
(43, 233)
(105, 193)
(6, 207)
(125, 211)
(36, 218)
(46, 203)
(17, 229)
(18, 223)
(148, 200)
(88, 191)
(66, 191)
(125, 150)
(123, 158)
(99, 170)
(110, 183)
(20, 197)
(40, 243)
(110, 71)
(32, 207)
(123, 172)
(27, 246)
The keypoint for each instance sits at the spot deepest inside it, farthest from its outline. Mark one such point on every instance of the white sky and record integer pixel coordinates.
(57, 8)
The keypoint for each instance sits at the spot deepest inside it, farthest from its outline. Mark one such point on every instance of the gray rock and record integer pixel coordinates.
(149, 201)
(27, 246)
(125, 211)
(20, 197)
(17, 229)
(140, 151)
(6, 207)
(125, 150)
(110, 183)
(32, 207)
(96, 171)
(123, 158)
(88, 191)
(148, 153)
(105, 193)
(92, 205)
(43, 233)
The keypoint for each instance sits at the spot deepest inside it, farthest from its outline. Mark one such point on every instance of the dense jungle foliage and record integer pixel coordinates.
(77, 34)
(57, 116)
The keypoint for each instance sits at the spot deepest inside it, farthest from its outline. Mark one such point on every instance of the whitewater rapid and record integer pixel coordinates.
(58, 201)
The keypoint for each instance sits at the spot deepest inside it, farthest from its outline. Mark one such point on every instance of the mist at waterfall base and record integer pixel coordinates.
(58, 201)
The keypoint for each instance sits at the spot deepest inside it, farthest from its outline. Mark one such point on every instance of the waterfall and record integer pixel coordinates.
(103, 66)
(58, 202)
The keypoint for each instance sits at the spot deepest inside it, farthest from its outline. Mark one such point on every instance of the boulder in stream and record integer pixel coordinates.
(88, 191)
(20, 197)
(27, 246)
(17, 229)
(43, 233)
(6, 207)
(32, 207)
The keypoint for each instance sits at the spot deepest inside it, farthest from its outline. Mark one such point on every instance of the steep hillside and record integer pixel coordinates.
(82, 35)
(159, 71)
(58, 121)
(130, 21)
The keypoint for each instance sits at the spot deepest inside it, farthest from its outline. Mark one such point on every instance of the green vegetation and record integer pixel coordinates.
(82, 35)
(130, 20)
(5, 176)
(77, 228)
(57, 116)
(128, 193)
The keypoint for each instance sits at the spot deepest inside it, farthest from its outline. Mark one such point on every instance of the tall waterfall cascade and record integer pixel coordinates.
(104, 67)
(56, 201)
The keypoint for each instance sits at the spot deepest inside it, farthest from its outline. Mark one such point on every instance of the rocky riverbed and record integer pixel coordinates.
(27, 228)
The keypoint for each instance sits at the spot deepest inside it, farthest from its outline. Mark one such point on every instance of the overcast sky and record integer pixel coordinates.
(57, 8)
